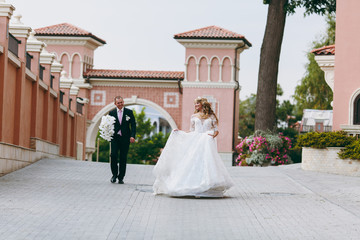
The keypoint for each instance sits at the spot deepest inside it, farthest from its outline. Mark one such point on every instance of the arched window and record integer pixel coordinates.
(357, 110)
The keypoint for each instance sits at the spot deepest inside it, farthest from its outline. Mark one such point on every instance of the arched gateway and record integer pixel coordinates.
(212, 57)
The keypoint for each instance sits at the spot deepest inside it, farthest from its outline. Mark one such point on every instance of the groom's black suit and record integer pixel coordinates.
(121, 143)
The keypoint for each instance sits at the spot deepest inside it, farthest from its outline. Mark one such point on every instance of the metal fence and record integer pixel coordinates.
(14, 44)
(41, 72)
(28, 60)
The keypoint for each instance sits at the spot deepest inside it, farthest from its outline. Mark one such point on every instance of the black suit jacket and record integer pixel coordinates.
(128, 124)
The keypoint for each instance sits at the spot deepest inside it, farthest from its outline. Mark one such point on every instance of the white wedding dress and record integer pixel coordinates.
(190, 165)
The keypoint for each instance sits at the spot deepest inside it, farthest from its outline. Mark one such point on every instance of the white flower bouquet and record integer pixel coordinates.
(107, 127)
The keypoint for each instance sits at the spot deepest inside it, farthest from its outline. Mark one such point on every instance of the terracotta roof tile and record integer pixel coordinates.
(326, 50)
(211, 32)
(65, 29)
(134, 74)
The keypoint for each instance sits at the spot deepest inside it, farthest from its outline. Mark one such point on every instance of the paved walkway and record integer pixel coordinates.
(67, 199)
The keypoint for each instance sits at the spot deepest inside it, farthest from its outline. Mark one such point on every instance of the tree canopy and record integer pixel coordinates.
(313, 92)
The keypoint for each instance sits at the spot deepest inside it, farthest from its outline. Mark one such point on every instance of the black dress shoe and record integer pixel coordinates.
(121, 182)
(113, 180)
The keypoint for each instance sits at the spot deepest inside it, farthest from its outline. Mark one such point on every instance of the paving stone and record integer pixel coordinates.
(68, 199)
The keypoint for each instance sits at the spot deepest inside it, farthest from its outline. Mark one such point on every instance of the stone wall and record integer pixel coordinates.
(328, 161)
(13, 157)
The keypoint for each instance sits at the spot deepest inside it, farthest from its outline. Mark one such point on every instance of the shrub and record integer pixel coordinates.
(351, 151)
(324, 139)
(264, 148)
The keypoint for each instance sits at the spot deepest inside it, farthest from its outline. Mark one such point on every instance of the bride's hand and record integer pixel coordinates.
(215, 134)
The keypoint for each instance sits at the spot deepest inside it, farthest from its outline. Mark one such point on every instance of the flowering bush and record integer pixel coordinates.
(264, 148)
(107, 127)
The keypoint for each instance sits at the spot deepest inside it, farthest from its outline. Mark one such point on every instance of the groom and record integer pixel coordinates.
(125, 128)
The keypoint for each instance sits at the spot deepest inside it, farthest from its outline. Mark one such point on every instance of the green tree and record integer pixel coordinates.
(247, 109)
(313, 92)
(247, 116)
(270, 53)
(145, 150)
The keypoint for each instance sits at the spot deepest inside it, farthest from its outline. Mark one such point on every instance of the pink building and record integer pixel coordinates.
(341, 69)
(52, 99)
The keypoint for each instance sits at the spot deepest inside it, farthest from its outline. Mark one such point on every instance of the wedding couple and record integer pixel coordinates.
(189, 165)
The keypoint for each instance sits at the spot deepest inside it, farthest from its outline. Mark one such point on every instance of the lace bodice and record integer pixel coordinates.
(202, 125)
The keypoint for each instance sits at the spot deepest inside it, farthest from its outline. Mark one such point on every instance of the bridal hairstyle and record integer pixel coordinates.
(206, 108)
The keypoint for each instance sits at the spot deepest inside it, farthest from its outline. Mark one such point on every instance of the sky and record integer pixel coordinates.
(139, 33)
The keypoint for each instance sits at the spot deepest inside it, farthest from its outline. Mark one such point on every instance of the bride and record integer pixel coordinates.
(190, 165)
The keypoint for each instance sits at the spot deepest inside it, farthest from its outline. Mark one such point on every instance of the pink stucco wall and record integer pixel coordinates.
(347, 60)
(225, 99)
(199, 53)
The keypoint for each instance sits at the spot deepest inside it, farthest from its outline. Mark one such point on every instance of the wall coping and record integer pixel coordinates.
(30, 74)
(14, 59)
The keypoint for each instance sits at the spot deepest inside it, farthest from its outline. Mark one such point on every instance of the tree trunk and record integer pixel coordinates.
(265, 118)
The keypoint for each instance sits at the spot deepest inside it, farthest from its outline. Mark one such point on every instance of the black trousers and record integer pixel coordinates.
(119, 151)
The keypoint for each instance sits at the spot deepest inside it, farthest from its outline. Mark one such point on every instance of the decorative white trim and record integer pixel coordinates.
(351, 106)
(185, 73)
(209, 71)
(63, 107)
(74, 90)
(226, 57)
(29, 74)
(46, 57)
(353, 129)
(64, 81)
(327, 64)
(71, 113)
(1, 49)
(208, 84)
(70, 68)
(201, 57)
(188, 59)
(92, 130)
(43, 85)
(197, 72)
(71, 41)
(18, 29)
(211, 43)
(56, 67)
(6, 10)
(133, 83)
(211, 65)
(80, 83)
(167, 104)
(56, 56)
(14, 59)
(62, 54)
(53, 93)
(34, 45)
(232, 73)
(74, 54)
(98, 102)
(220, 72)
